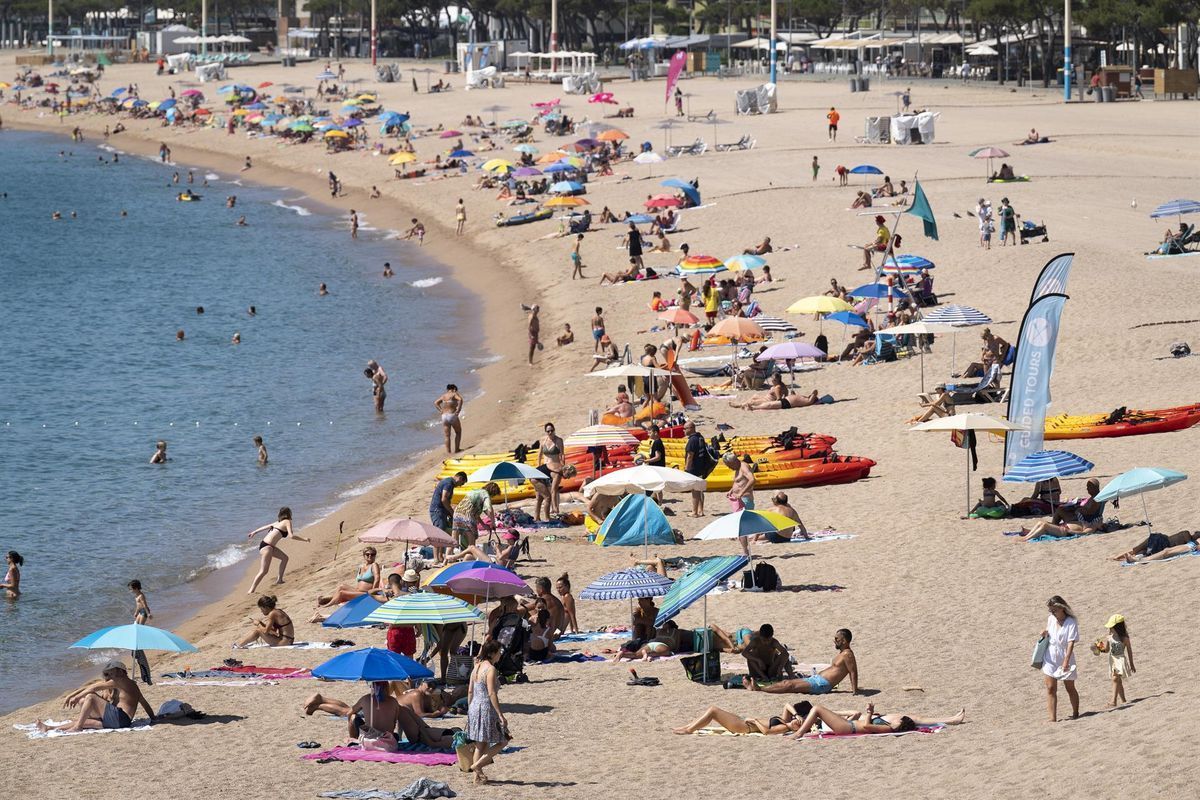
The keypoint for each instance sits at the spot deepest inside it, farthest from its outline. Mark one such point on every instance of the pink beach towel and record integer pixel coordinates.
(427, 759)
(826, 735)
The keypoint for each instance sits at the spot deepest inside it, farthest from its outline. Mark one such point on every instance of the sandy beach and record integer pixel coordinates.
(944, 611)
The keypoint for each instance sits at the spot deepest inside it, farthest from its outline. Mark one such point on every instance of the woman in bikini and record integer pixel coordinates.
(849, 723)
(789, 722)
(12, 578)
(550, 461)
(368, 578)
(274, 631)
(268, 548)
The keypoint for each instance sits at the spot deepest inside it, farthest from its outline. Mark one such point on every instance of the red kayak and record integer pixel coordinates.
(1122, 422)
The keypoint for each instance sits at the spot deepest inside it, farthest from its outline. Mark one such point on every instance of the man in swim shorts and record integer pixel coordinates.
(96, 711)
(821, 682)
(450, 405)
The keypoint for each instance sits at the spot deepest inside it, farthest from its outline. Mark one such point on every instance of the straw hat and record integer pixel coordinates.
(1114, 620)
(410, 576)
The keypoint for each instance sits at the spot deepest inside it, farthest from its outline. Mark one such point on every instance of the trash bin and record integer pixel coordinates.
(864, 84)
(854, 84)
(1097, 93)
(448, 66)
(1110, 93)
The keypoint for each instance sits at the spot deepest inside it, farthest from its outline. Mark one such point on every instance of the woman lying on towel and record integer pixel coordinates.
(849, 724)
(793, 717)
(671, 639)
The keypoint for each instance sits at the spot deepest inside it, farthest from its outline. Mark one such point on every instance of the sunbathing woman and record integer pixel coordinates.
(368, 579)
(1157, 547)
(632, 274)
(268, 548)
(843, 723)
(274, 631)
(778, 398)
(1089, 518)
(789, 722)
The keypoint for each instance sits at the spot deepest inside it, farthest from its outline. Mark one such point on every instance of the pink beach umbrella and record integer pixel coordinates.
(449, 134)
(404, 529)
(489, 582)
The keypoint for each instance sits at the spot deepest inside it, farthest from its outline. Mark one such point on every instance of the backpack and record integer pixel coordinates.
(1180, 349)
(766, 577)
(512, 632)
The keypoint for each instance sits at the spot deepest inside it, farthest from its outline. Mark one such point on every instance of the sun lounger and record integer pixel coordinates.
(745, 143)
(696, 148)
(987, 390)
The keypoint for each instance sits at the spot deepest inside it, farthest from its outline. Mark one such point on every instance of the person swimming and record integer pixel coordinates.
(12, 577)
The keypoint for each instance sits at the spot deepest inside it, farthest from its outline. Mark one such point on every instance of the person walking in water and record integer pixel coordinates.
(378, 379)
(353, 224)
(450, 406)
(268, 548)
(262, 451)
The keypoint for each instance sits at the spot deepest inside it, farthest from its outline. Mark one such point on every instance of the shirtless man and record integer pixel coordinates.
(423, 701)
(416, 730)
(1162, 542)
(766, 658)
(780, 505)
(450, 406)
(741, 494)
(99, 712)
(535, 331)
(824, 681)
(623, 407)
(160, 453)
(262, 451)
(378, 379)
(541, 590)
(374, 716)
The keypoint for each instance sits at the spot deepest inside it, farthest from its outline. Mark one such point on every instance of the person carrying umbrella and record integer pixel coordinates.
(100, 712)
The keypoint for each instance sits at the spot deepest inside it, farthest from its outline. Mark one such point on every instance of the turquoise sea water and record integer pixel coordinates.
(91, 375)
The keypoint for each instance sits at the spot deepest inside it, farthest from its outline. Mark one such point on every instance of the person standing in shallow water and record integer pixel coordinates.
(378, 379)
(450, 405)
(160, 453)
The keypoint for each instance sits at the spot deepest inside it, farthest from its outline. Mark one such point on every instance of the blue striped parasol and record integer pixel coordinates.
(1046, 464)
(626, 584)
(1176, 208)
(906, 263)
(425, 608)
(958, 315)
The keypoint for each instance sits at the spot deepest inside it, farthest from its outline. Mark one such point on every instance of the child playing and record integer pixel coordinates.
(567, 336)
(1120, 656)
(992, 505)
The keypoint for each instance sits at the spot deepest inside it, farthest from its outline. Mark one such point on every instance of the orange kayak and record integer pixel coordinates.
(1127, 423)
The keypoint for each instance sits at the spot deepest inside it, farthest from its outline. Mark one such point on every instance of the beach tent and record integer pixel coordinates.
(637, 520)
(914, 128)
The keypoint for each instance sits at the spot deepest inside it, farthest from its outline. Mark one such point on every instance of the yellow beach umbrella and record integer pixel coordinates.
(574, 161)
(498, 165)
(241, 112)
(336, 134)
(560, 202)
(367, 97)
(5, 85)
(822, 304)
(402, 158)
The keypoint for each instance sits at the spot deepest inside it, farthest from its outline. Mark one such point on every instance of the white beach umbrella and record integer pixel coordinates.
(980, 423)
(645, 478)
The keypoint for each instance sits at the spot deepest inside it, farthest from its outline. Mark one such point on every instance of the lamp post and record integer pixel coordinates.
(50, 28)
(553, 34)
(375, 35)
(1067, 70)
(203, 27)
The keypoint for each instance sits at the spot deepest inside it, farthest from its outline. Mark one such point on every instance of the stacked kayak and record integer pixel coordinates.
(1122, 422)
(803, 460)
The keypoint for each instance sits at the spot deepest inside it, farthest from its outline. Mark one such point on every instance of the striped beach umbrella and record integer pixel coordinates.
(1046, 464)
(438, 577)
(696, 583)
(498, 165)
(1176, 208)
(905, 264)
(601, 436)
(745, 523)
(958, 315)
(702, 265)
(775, 324)
(625, 584)
(425, 608)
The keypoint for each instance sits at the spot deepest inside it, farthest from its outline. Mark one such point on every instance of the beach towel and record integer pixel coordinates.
(809, 737)
(420, 789)
(407, 755)
(813, 587)
(251, 682)
(296, 646)
(719, 731)
(569, 658)
(591, 636)
(274, 672)
(30, 730)
(1158, 560)
(826, 535)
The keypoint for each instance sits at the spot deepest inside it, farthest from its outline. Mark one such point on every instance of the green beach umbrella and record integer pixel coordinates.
(425, 608)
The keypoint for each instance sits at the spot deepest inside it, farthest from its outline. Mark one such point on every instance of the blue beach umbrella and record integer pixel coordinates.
(625, 584)
(1176, 208)
(562, 187)
(353, 614)
(745, 261)
(371, 664)
(352, 123)
(559, 167)
(1046, 464)
(679, 183)
(876, 290)
(461, 154)
(1139, 481)
(905, 264)
(848, 318)
(134, 637)
(165, 104)
(117, 92)
(866, 169)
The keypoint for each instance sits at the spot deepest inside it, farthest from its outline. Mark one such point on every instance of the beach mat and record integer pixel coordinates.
(296, 646)
(821, 536)
(592, 636)
(570, 658)
(249, 682)
(30, 730)
(818, 736)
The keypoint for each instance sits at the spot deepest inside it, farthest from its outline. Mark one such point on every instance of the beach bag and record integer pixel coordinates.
(458, 669)
(386, 743)
(1039, 652)
(766, 577)
(1180, 349)
(464, 748)
(693, 667)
